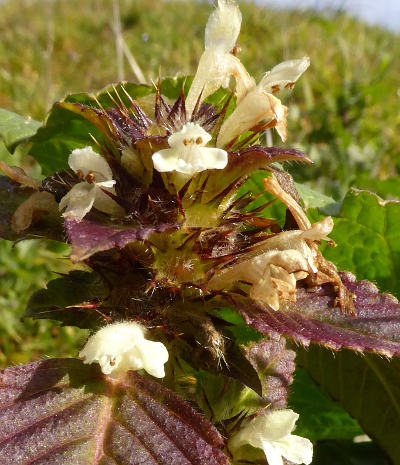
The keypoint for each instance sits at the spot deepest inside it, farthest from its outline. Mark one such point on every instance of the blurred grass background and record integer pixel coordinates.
(343, 112)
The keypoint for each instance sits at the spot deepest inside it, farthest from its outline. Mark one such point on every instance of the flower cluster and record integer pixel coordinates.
(153, 209)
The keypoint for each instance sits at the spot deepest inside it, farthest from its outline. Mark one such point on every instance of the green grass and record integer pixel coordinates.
(25, 268)
(343, 112)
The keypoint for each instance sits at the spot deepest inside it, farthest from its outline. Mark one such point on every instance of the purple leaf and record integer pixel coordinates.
(88, 237)
(245, 162)
(313, 318)
(274, 364)
(60, 411)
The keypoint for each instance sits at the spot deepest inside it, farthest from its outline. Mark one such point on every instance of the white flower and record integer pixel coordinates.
(187, 153)
(271, 432)
(97, 176)
(259, 103)
(120, 347)
(218, 64)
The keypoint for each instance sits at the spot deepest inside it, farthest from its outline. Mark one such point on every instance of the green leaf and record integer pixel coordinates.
(241, 333)
(15, 128)
(314, 199)
(254, 186)
(221, 397)
(320, 417)
(171, 87)
(367, 386)
(388, 189)
(367, 237)
(348, 453)
(71, 299)
(65, 130)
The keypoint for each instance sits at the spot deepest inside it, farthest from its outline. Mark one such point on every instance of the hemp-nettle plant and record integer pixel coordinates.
(197, 290)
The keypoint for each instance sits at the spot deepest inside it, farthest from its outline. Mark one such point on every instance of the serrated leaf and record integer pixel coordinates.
(15, 128)
(60, 411)
(274, 364)
(265, 365)
(313, 318)
(71, 299)
(387, 189)
(367, 237)
(367, 386)
(321, 417)
(314, 199)
(88, 237)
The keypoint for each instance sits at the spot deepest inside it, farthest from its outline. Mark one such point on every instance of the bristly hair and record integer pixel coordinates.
(59, 183)
(133, 124)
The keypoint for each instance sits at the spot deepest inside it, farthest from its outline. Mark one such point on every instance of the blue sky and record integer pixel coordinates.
(383, 12)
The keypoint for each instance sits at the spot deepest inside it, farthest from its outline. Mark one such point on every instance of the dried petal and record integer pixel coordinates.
(18, 174)
(25, 213)
(223, 26)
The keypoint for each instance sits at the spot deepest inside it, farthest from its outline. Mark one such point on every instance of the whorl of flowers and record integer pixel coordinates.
(176, 168)
(153, 208)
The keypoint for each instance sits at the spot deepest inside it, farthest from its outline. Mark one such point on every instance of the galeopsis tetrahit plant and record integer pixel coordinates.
(186, 280)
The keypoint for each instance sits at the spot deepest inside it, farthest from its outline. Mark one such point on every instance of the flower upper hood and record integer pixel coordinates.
(187, 153)
(218, 63)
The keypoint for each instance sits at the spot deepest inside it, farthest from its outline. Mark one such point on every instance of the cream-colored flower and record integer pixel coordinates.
(187, 153)
(120, 347)
(277, 264)
(260, 104)
(96, 177)
(217, 64)
(271, 432)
